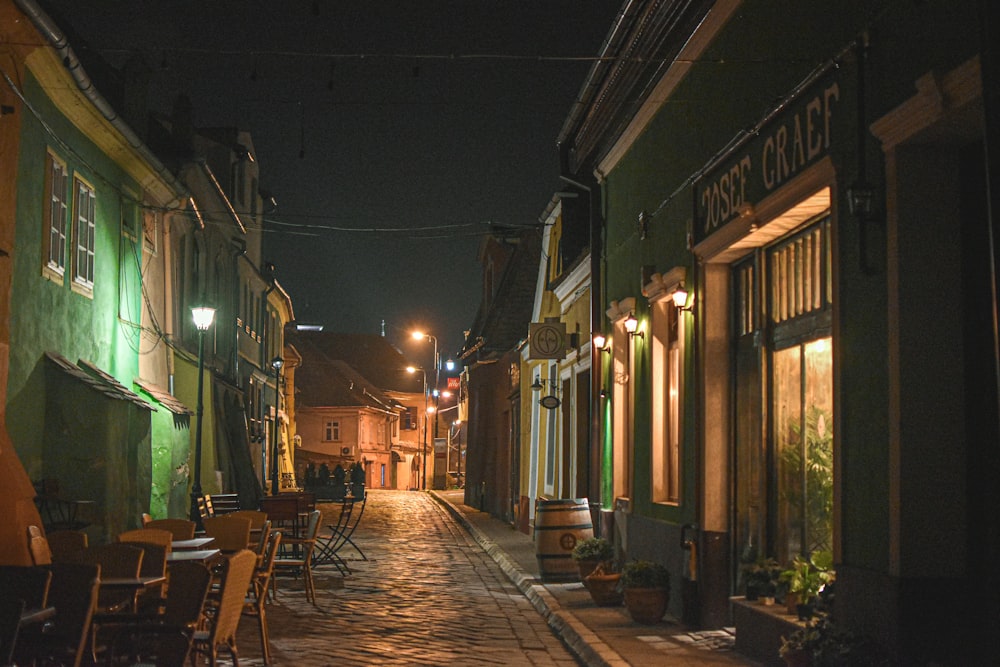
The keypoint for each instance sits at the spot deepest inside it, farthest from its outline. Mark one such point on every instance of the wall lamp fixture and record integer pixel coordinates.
(601, 342)
(632, 327)
(682, 298)
(861, 199)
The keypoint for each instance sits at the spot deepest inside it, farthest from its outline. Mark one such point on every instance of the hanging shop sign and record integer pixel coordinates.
(781, 148)
(547, 340)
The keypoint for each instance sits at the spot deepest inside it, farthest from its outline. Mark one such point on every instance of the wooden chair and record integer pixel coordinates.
(205, 508)
(147, 536)
(146, 518)
(181, 529)
(20, 588)
(41, 554)
(302, 562)
(256, 601)
(154, 564)
(64, 543)
(117, 559)
(259, 528)
(224, 503)
(73, 592)
(231, 533)
(10, 623)
(237, 572)
(166, 637)
(26, 583)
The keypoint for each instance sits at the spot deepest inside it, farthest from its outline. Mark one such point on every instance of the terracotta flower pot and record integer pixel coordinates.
(587, 567)
(603, 588)
(646, 605)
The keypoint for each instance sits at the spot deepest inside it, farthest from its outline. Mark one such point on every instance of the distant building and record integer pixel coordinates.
(356, 403)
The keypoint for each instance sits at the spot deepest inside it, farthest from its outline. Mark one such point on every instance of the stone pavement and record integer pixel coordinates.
(427, 594)
(445, 584)
(600, 636)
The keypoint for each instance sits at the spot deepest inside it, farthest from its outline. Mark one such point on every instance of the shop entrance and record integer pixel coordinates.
(784, 396)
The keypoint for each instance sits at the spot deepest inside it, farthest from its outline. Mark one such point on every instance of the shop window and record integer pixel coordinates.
(784, 397)
(666, 402)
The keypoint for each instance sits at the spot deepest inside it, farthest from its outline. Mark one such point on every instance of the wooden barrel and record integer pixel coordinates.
(559, 525)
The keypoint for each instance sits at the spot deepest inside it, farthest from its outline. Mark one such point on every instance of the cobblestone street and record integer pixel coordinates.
(426, 595)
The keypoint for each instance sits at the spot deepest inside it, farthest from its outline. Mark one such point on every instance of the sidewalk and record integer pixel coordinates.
(599, 636)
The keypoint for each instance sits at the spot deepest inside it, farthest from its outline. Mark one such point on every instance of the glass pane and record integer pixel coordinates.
(787, 411)
(819, 444)
(803, 439)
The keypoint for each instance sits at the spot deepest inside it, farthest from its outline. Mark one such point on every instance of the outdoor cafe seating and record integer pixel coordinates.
(235, 575)
(255, 604)
(23, 602)
(63, 638)
(341, 535)
(164, 635)
(299, 560)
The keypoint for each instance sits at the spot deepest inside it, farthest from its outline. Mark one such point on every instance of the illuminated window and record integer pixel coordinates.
(784, 396)
(666, 329)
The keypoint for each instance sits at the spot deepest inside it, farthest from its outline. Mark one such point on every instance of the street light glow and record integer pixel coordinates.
(202, 316)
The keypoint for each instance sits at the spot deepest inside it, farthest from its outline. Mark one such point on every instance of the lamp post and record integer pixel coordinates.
(420, 335)
(202, 316)
(276, 364)
(423, 465)
(458, 429)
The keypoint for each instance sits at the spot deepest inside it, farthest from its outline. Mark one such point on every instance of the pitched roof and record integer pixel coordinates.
(503, 323)
(349, 370)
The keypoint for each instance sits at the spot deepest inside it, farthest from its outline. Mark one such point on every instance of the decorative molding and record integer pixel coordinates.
(619, 310)
(662, 286)
(937, 95)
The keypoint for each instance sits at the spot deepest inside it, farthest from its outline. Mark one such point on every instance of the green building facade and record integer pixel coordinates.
(813, 180)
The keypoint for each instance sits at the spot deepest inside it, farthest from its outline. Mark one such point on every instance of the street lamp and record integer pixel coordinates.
(203, 316)
(276, 364)
(423, 466)
(420, 335)
(458, 431)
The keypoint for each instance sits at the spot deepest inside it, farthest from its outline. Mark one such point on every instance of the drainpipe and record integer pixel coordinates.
(57, 39)
(595, 482)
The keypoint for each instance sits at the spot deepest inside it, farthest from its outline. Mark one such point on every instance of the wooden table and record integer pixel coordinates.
(199, 555)
(133, 582)
(192, 544)
(36, 615)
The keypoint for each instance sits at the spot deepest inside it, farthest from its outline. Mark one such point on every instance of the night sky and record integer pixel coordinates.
(390, 133)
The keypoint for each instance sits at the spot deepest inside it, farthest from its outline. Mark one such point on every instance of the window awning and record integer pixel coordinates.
(164, 398)
(98, 380)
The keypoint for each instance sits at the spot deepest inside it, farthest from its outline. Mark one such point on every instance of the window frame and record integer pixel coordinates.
(331, 430)
(54, 268)
(667, 338)
(83, 281)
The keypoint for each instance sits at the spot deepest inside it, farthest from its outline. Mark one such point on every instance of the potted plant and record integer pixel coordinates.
(823, 643)
(761, 579)
(804, 580)
(646, 586)
(604, 585)
(591, 552)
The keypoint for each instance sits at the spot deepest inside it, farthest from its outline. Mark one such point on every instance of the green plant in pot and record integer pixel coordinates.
(761, 577)
(646, 586)
(804, 580)
(823, 643)
(591, 552)
(604, 585)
